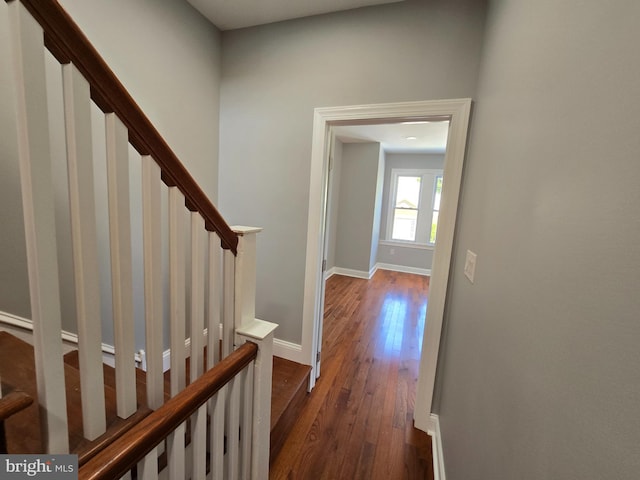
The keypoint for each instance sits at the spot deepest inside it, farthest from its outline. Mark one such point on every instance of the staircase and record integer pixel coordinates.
(211, 420)
(17, 371)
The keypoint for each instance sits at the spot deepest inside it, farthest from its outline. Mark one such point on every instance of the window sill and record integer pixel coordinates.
(395, 243)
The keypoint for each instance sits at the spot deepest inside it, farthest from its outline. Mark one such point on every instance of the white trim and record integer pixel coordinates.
(166, 355)
(378, 266)
(108, 351)
(329, 273)
(436, 448)
(257, 329)
(399, 243)
(402, 268)
(458, 112)
(289, 351)
(349, 272)
(424, 210)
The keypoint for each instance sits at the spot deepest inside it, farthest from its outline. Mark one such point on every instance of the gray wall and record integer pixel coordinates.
(168, 56)
(359, 193)
(333, 203)
(273, 78)
(377, 209)
(399, 254)
(14, 283)
(540, 374)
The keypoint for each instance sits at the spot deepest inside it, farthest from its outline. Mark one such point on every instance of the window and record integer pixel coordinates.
(437, 195)
(405, 213)
(414, 205)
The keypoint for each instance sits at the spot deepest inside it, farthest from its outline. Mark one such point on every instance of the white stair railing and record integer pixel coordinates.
(121, 261)
(210, 282)
(85, 248)
(38, 207)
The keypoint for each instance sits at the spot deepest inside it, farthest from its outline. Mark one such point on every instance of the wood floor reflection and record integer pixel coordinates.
(358, 420)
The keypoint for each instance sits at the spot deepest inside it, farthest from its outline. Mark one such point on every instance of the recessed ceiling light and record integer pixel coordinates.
(411, 138)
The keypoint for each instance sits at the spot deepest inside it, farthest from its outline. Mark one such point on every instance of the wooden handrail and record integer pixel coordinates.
(14, 402)
(125, 452)
(10, 404)
(67, 43)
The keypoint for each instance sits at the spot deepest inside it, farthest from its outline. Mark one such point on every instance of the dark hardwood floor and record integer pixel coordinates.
(358, 421)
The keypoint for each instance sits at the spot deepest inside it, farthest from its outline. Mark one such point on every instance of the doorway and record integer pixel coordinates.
(457, 112)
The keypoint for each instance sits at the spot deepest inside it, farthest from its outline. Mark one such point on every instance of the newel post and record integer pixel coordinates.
(245, 275)
(261, 333)
(249, 328)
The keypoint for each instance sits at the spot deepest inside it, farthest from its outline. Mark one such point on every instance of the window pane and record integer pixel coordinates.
(438, 194)
(408, 192)
(404, 224)
(434, 227)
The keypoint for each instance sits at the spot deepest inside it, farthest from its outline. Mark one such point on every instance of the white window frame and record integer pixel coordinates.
(425, 205)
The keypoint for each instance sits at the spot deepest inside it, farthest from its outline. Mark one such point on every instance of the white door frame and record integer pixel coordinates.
(457, 111)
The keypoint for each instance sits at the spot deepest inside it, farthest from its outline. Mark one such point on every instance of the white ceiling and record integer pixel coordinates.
(230, 14)
(430, 137)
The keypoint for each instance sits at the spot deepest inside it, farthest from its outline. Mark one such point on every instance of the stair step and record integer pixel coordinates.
(109, 374)
(116, 426)
(289, 394)
(17, 371)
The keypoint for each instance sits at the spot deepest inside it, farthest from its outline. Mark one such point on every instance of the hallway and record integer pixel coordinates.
(358, 421)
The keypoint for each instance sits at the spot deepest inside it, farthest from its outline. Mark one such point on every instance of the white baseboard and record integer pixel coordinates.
(281, 348)
(108, 351)
(404, 269)
(382, 266)
(329, 272)
(436, 448)
(166, 355)
(349, 272)
(69, 338)
(289, 351)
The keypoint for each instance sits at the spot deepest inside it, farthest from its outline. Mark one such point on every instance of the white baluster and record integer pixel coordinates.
(199, 443)
(153, 308)
(148, 466)
(217, 413)
(77, 110)
(246, 430)
(232, 458)
(176, 441)
(177, 288)
(228, 289)
(39, 218)
(176, 453)
(121, 274)
(213, 300)
(196, 364)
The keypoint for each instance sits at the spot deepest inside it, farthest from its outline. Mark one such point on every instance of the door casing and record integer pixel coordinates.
(457, 111)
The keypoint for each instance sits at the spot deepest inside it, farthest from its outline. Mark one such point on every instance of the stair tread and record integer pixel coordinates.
(109, 375)
(289, 392)
(288, 378)
(17, 370)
